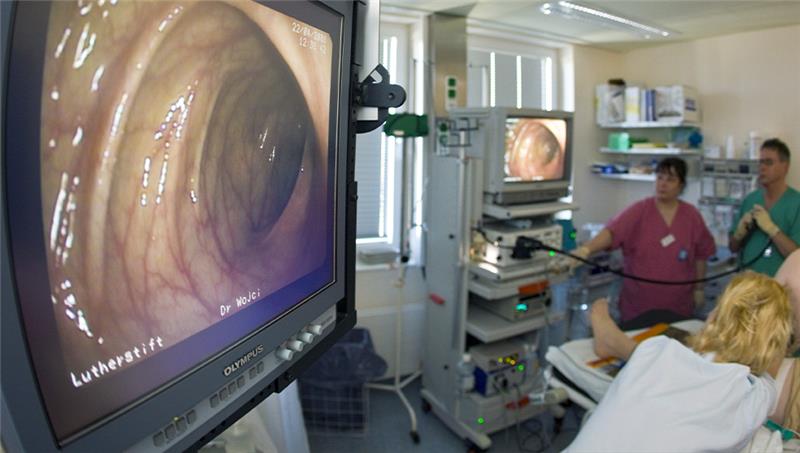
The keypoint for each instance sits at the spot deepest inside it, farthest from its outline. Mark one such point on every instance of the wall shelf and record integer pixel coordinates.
(628, 176)
(648, 124)
(651, 151)
(730, 175)
(720, 200)
(722, 160)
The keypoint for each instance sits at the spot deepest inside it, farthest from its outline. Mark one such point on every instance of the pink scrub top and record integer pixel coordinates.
(653, 250)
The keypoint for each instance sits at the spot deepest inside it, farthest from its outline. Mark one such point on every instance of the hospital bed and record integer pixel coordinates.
(586, 385)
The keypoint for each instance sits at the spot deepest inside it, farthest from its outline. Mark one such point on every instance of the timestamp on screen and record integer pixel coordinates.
(310, 38)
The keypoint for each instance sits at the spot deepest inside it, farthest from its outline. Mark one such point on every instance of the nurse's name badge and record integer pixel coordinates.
(682, 255)
(667, 240)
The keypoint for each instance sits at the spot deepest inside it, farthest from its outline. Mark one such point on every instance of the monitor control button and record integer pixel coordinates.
(171, 432)
(306, 337)
(316, 329)
(295, 345)
(284, 354)
(158, 439)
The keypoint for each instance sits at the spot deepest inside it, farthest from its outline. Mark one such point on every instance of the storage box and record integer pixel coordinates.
(677, 103)
(620, 141)
(610, 104)
(632, 105)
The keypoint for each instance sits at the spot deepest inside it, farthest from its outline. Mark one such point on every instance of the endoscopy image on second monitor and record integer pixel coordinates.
(535, 149)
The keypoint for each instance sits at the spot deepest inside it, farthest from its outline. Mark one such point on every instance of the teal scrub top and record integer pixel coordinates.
(785, 213)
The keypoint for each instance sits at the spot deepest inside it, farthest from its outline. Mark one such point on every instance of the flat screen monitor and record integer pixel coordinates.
(175, 195)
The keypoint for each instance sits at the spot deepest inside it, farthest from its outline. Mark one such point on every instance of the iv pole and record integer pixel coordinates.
(406, 127)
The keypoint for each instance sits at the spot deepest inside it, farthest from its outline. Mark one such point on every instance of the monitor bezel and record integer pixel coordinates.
(24, 418)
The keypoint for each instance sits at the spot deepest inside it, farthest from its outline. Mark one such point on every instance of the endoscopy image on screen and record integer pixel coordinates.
(535, 149)
(187, 176)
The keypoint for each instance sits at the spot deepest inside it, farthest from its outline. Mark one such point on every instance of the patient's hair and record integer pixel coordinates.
(751, 324)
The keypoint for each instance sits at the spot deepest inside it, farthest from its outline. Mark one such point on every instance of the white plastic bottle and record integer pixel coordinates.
(754, 145)
(466, 373)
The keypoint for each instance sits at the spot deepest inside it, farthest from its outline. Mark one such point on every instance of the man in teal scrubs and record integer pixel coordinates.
(769, 219)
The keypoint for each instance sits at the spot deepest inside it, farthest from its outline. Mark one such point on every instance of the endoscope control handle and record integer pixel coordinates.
(525, 246)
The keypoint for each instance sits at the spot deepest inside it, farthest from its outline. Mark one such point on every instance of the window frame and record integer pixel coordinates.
(411, 24)
(478, 40)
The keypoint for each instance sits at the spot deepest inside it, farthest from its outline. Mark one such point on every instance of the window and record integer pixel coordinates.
(378, 157)
(508, 74)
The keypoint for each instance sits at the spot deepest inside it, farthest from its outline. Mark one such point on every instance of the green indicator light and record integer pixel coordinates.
(522, 307)
(481, 420)
(521, 367)
(552, 253)
(573, 235)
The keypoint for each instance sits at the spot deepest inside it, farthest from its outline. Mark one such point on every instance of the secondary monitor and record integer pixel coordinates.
(175, 202)
(526, 153)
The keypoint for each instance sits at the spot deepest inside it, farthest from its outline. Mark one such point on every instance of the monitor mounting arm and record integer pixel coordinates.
(378, 94)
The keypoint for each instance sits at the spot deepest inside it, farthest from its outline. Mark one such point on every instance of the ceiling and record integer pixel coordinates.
(691, 19)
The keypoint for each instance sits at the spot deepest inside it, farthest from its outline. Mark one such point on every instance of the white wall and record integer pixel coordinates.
(379, 294)
(598, 198)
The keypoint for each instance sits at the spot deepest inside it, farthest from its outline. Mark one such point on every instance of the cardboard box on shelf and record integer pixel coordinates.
(677, 102)
(610, 103)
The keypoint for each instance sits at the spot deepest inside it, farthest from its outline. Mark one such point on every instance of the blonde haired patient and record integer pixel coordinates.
(712, 397)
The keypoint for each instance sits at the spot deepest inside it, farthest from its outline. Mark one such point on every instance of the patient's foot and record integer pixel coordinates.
(609, 340)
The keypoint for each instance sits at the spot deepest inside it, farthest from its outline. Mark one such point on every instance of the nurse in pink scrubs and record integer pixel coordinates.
(662, 238)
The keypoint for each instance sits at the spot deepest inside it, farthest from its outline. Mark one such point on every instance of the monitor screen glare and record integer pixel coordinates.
(187, 189)
(535, 149)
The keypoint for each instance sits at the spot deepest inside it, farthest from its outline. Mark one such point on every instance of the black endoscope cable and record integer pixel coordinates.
(526, 245)
(738, 268)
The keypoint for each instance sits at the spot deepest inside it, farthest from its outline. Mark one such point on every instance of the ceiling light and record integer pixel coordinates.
(572, 10)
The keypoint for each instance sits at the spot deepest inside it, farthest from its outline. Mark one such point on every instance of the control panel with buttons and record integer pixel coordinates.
(244, 381)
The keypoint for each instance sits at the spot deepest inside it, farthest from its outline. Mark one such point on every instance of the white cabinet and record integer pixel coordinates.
(723, 185)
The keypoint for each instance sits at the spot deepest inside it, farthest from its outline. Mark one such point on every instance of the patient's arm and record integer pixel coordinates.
(609, 340)
(785, 387)
(789, 276)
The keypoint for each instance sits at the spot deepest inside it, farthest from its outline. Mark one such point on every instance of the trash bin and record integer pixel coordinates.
(332, 391)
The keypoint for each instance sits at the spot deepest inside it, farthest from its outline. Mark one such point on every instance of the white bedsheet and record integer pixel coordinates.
(571, 358)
